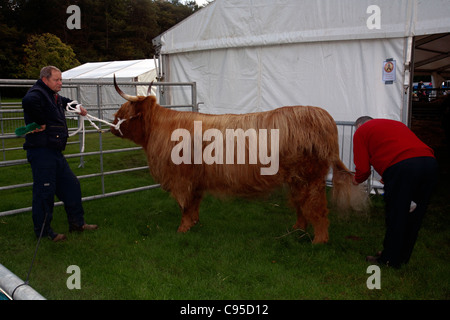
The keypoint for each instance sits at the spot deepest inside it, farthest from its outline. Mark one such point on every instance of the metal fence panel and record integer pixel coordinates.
(11, 117)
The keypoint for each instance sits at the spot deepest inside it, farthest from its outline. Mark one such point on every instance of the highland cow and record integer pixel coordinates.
(303, 145)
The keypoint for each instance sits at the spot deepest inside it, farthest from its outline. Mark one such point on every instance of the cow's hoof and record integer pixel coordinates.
(183, 229)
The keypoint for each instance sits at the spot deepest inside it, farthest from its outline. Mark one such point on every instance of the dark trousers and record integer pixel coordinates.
(409, 180)
(53, 176)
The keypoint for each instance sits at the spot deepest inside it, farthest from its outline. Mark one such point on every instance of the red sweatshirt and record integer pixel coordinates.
(382, 143)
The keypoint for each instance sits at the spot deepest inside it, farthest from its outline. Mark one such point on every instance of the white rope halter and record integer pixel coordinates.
(77, 110)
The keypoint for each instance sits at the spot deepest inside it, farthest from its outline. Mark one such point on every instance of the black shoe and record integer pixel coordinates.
(83, 227)
(377, 260)
(59, 237)
(90, 227)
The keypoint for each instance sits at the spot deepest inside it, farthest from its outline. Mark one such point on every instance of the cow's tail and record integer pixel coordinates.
(345, 195)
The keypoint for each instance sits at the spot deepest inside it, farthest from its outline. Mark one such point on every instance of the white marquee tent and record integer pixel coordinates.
(248, 56)
(89, 75)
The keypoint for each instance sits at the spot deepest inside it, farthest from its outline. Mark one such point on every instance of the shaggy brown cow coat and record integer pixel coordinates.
(308, 147)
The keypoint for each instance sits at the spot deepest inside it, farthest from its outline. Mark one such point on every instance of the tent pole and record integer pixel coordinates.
(408, 81)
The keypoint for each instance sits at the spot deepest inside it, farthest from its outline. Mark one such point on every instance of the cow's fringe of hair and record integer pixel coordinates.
(303, 131)
(347, 197)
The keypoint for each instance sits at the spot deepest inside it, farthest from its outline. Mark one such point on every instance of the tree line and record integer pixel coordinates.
(35, 32)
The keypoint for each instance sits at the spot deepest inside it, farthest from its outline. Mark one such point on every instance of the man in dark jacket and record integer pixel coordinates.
(51, 172)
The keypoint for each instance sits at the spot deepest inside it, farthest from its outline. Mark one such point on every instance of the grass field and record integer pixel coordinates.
(241, 249)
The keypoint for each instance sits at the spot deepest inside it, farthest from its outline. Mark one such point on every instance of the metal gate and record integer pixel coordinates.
(11, 117)
(14, 157)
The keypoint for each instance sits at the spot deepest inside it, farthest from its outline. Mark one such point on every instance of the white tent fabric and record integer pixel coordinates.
(245, 23)
(88, 75)
(129, 70)
(340, 77)
(249, 56)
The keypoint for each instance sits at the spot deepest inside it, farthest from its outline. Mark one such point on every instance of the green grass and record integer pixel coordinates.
(18, 198)
(241, 249)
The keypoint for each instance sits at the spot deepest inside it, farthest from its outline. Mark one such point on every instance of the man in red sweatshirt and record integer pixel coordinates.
(409, 171)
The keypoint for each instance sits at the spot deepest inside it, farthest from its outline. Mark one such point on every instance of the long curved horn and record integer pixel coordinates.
(123, 94)
(149, 91)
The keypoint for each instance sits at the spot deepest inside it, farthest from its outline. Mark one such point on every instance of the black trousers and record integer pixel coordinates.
(53, 176)
(409, 180)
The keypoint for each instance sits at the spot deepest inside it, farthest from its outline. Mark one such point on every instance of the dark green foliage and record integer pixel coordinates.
(110, 29)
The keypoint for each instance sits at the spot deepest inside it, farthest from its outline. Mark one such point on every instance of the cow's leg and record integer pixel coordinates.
(189, 212)
(316, 212)
(310, 203)
(296, 198)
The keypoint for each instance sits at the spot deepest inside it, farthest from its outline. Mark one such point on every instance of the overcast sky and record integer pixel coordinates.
(201, 2)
